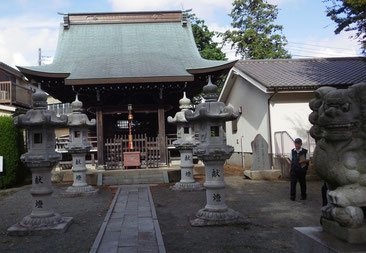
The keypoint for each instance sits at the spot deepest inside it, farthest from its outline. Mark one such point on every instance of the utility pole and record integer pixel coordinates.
(39, 57)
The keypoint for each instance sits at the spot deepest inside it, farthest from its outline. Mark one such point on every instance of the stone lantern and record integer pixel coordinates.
(185, 143)
(213, 151)
(41, 158)
(78, 146)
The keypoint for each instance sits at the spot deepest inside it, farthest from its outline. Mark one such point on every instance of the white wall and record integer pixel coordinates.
(254, 118)
(291, 117)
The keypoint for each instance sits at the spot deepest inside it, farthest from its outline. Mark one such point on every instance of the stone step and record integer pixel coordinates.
(135, 177)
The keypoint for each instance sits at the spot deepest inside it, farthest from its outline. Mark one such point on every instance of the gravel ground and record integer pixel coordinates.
(270, 217)
(88, 213)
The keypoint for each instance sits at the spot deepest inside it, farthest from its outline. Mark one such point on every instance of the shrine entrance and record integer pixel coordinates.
(147, 148)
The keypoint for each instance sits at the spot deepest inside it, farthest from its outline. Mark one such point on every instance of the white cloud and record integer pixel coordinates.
(20, 38)
(203, 8)
(48, 4)
(230, 53)
(336, 46)
(278, 2)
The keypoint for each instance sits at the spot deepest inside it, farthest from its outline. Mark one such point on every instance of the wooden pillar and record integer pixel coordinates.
(162, 136)
(100, 135)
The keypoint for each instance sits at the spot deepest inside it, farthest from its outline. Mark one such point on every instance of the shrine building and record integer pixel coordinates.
(112, 60)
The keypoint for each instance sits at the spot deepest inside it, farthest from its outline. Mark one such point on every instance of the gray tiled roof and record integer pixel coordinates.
(126, 50)
(305, 73)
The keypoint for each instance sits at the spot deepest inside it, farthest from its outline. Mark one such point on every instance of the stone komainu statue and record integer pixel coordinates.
(339, 127)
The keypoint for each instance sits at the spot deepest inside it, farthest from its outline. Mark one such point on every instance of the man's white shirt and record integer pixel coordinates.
(298, 151)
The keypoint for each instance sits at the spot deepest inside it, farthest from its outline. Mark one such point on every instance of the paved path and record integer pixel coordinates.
(131, 224)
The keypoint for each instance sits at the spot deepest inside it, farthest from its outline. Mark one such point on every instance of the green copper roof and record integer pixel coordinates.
(124, 52)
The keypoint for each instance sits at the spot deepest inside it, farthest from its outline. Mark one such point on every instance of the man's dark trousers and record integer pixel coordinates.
(298, 175)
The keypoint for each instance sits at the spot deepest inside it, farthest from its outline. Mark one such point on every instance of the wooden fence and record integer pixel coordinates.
(147, 146)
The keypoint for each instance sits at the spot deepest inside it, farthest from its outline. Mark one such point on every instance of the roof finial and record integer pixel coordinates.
(185, 103)
(77, 106)
(211, 91)
(39, 98)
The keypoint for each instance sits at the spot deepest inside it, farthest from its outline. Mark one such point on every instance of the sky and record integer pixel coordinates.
(26, 25)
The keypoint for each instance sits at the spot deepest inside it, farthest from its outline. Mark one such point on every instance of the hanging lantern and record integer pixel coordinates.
(130, 118)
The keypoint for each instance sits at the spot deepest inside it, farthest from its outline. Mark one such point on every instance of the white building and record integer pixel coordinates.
(273, 96)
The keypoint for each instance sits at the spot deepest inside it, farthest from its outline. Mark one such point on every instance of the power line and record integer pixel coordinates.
(320, 51)
(312, 45)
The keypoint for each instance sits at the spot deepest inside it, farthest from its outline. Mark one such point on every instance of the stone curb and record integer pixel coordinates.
(159, 237)
(103, 227)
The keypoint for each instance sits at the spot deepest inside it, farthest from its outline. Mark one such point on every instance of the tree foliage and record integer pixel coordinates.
(11, 147)
(203, 37)
(349, 15)
(255, 36)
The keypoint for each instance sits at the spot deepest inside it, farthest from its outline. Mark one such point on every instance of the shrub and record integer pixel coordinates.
(11, 147)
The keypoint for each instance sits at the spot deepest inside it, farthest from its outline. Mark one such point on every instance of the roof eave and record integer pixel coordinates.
(11, 70)
(212, 69)
(27, 71)
(156, 79)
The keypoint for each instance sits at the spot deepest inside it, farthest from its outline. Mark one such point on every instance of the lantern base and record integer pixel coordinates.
(40, 229)
(210, 218)
(187, 187)
(84, 190)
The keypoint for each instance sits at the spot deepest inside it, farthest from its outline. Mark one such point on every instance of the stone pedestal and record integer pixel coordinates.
(79, 175)
(185, 143)
(262, 174)
(215, 212)
(40, 158)
(351, 235)
(314, 239)
(210, 118)
(187, 182)
(78, 146)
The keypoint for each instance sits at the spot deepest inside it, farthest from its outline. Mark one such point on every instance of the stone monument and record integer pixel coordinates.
(260, 154)
(261, 167)
(41, 158)
(339, 120)
(210, 118)
(78, 146)
(185, 143)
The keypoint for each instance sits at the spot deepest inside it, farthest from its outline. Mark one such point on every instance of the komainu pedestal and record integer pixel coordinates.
(185, 143)
(78, 146)
(41, 158)
(339, 120)
(210, 118)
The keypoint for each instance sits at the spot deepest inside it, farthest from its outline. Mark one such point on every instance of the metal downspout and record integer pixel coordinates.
(270, 125)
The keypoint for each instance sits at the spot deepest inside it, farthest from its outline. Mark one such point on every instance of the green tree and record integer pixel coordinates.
(11, 147)
(203, 37)
(255, 36)
(349, 15)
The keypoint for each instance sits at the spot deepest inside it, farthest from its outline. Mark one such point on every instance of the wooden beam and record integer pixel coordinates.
(126, 111)
(100, 136)
(162, 137)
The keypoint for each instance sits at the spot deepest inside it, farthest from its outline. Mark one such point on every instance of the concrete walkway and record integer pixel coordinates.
(131, 224)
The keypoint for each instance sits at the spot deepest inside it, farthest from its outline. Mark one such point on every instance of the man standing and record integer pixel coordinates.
(299, 162)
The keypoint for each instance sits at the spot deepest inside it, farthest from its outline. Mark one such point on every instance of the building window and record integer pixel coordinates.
(234, 126)
(122, 124)
(186, 130)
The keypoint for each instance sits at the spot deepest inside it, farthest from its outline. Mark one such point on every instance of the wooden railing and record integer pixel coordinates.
(62, 141)
(12, 93)
(65, 162)
(170, 138)
(147, 146)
